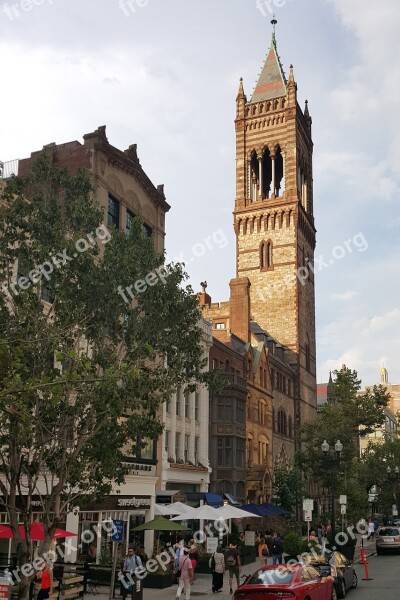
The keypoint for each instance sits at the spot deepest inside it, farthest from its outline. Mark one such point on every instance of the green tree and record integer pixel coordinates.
(82, 376)
(352, 414)
(288, 487)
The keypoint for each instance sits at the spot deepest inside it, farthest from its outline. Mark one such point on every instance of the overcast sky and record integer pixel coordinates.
(164, 74)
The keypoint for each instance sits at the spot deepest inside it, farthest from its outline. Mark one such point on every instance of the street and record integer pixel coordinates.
(383, 583)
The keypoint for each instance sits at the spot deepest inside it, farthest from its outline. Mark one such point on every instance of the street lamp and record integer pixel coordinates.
(334, 465)
(394, 478)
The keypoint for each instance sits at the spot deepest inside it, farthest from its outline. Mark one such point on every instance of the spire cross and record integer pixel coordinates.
(273, 23)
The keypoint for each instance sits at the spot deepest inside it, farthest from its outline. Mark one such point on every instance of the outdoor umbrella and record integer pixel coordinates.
(37, 532)
(203, 512)
(162, 510)
(160, 524)
(6, 532)
(255, 509)
(180, 507)
(273, 510)
(231, 512)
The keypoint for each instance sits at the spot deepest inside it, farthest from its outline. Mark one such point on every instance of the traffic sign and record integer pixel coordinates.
(308, 504)
(308, 516)
(117, 534)
(342, 509)
(343, 499)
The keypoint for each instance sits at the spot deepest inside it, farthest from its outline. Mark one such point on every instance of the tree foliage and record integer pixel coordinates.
(81, 377)
(288, 487)
(352, 414)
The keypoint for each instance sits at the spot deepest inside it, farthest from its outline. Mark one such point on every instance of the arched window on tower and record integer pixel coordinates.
(254, 177)
(266, 174)
(266, 258)
(279, 172)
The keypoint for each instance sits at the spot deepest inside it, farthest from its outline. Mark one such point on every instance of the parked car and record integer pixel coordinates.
(341, 569)
(294, 582)
(396, 522)
(387, 539)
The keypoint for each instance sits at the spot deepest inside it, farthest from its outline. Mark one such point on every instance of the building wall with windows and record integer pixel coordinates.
(183, 449)
(228, 422)
(122, 188)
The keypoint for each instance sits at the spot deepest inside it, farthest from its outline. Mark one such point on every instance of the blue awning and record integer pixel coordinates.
(214, 500)
(231, 499)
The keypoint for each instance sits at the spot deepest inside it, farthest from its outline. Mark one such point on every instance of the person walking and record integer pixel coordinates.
(46, 582)
(371, 529)
(129, 564)
(193, 555)
(263, 552)
(217, 563)
(277, 549)
(234, 565)
(185, 573)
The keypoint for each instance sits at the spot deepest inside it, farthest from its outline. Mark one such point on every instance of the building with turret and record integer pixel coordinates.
(272, 304)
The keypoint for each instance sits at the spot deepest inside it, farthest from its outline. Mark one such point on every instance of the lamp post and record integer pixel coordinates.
(334, 465)
(394, 478)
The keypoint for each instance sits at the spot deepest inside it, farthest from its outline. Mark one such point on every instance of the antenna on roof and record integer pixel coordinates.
(273, 23)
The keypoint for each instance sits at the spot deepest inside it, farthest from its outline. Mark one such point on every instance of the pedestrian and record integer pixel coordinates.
(142, 555)
(178, 548)
(234, 565)
(277, 548)
(320, 533)
(371, 529)
(313, 537)
(129, 564)
(185, 575)
(46, 582)
(193, 555)
(217, 564)
(263, 552)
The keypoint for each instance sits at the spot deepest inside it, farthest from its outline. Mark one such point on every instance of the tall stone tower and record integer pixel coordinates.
(273, 219)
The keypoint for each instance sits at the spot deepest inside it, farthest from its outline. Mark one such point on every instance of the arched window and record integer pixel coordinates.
(282, 422)
(290, 432)
(279, 175)
(266, 258)
(250, 451)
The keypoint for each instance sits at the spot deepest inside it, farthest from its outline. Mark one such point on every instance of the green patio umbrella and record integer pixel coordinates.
(161, 524)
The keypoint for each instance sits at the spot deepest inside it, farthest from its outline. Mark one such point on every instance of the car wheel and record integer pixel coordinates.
(341, 591)
(334, 594)
(355, 580)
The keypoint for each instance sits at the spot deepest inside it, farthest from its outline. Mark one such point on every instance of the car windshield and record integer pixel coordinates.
(388, 531)
(271, 576)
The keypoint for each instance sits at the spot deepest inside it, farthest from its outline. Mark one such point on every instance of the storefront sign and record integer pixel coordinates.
(116, 502)
(139, 469)
(134, 502)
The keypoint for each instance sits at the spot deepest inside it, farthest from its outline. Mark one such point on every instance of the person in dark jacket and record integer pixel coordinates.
(277, 549)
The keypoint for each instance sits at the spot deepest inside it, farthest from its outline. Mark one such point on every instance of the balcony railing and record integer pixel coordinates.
(9, 168)
(234, 379)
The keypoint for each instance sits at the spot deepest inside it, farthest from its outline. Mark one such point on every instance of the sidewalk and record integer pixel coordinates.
(200, 587)
(202, 584)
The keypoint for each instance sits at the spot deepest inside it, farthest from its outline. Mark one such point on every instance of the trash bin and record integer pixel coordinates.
(137, 589)
(5, 588)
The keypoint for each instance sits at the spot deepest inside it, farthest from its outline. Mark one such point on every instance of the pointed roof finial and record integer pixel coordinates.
(273, 23)
(306, 111)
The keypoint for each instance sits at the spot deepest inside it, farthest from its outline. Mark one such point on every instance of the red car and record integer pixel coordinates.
(294, 582)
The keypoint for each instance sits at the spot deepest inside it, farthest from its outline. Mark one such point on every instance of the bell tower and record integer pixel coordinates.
(273, 219)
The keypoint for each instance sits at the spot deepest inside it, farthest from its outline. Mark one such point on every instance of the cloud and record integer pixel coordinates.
(345, 296)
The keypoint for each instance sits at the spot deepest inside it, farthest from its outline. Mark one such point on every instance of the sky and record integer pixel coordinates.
(164, 74)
